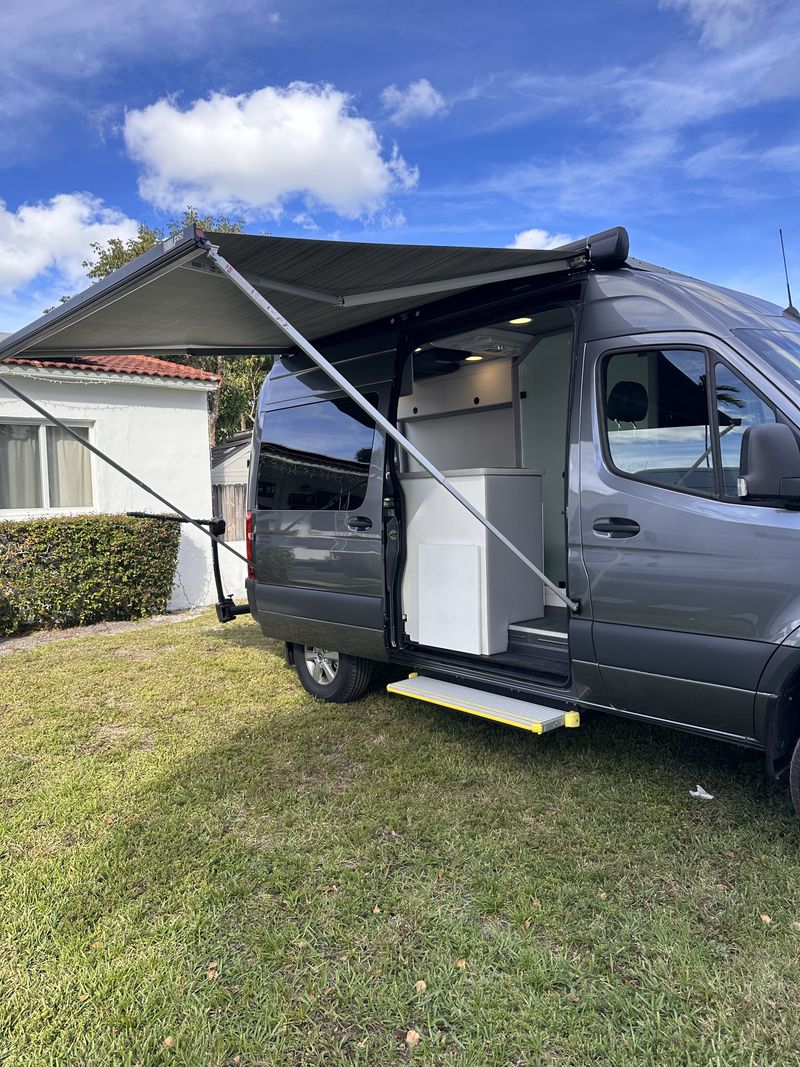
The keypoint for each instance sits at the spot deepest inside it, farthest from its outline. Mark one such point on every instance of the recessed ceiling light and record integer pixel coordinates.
(523, 320)
(473, 359)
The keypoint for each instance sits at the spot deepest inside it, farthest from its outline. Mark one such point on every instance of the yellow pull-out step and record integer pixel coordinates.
(521, 713)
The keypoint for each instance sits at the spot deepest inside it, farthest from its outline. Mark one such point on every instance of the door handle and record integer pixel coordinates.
(360, 522)
(616, 527)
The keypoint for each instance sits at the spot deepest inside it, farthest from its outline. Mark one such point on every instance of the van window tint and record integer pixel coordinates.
(315, 457)
(740, 407)
(657, 421)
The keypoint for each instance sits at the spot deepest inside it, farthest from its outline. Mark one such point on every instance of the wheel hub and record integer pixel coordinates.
(322, 664)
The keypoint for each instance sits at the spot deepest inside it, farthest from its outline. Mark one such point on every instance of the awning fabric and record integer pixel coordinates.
(173, 298)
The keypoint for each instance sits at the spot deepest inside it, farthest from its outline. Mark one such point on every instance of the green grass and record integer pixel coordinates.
(172, 799)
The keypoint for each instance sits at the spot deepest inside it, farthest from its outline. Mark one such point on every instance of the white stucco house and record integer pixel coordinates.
(149, 415)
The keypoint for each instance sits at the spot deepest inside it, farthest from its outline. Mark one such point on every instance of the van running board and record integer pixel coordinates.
(537, 718)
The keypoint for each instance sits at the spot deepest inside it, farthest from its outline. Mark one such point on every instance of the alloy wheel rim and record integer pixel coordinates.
(322, 664)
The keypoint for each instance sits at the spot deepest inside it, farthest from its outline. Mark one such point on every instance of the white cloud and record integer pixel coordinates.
(51, 46)
(721, 22)
(256, 151)
(783, 157)
(419, 100)
(678, 114)
(717, 159)
(670, 90)
(540, 239)
(54, 238)
(306, 221)
(607, 182)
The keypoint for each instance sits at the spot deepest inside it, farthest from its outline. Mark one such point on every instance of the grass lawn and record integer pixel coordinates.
(201, 865)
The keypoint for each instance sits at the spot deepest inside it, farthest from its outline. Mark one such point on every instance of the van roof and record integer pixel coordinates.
(643, 298)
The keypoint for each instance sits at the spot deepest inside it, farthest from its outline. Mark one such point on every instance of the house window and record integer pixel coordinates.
(43, 467)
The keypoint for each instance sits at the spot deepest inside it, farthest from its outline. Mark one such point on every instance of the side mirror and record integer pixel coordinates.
(770, 464)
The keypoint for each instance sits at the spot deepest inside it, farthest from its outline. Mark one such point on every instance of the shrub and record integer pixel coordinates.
(79, 569)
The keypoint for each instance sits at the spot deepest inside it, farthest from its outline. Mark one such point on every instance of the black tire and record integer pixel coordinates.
(794, 779)
(351, 676)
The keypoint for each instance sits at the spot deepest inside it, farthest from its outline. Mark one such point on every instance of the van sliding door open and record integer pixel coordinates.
(383, 423)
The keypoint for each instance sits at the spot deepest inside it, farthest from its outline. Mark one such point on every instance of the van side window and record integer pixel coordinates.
(739, 407)
(657, 425)
(315, 457)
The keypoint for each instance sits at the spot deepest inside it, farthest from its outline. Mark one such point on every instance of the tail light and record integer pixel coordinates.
(248, 535)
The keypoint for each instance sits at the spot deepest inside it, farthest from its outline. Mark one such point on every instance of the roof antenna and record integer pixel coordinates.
(791, 310)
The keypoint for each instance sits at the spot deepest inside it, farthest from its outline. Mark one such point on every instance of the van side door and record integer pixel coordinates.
(316, 494)
(688, 584)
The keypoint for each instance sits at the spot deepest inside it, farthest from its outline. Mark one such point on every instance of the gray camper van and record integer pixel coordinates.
(533, 483)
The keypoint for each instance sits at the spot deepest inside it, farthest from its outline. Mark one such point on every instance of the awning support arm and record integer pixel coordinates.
(406, 292)
(391, 431)
(448, 285)
(117, 466)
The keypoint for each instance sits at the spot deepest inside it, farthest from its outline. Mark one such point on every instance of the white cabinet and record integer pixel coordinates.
(488, 383)
(461, 587)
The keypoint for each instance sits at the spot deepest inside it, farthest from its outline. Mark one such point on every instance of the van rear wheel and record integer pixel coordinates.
(330, 675)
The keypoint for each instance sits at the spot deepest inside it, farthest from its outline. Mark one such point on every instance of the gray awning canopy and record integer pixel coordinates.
(173, 298)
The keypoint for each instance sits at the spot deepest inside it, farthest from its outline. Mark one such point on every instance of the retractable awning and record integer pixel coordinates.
(174, 298)
(186, 293)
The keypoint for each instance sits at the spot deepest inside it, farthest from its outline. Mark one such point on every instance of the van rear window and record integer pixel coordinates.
(315, 457)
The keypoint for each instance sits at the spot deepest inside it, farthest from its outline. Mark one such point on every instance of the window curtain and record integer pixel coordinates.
(20, 471)
(69, 469)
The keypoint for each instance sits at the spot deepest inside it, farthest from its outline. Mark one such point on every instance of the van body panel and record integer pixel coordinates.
(316, 550)
(678, 625)
(587, 683)
(637, 301)
(577, 574)
(682, 701)
(319, 577)
(725, 661)
(353, 640)
(321, 604)
(703, 593)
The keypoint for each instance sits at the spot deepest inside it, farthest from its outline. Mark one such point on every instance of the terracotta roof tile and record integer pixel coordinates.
(146, 366)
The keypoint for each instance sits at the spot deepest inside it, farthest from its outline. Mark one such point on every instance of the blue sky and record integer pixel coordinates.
(432, 122)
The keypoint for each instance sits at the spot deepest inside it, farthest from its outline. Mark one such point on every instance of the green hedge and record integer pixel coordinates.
(79, 569)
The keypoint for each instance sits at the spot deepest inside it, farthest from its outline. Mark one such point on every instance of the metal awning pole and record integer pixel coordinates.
(316, 356)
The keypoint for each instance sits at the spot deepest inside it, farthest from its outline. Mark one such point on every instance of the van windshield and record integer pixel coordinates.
(779, 348)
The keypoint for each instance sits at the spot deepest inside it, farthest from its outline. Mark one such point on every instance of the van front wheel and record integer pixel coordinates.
(332, 676)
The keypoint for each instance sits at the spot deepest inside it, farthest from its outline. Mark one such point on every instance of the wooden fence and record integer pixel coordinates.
(230, 501)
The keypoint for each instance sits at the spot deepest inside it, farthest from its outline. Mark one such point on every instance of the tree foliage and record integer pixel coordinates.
(232, 407)
(116, 252)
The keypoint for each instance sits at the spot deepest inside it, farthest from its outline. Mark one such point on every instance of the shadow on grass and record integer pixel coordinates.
(236, 853)
(647, 751)
(269, 813)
